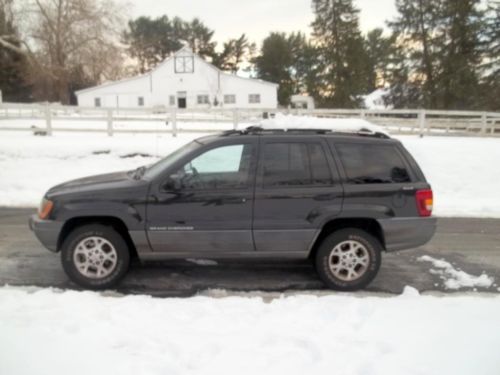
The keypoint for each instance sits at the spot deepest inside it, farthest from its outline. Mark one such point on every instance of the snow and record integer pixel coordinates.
(456, 279)
(30, 165)
(46, 331)
(202, 262)
(462, 170)
(352, 125)
(375, 100)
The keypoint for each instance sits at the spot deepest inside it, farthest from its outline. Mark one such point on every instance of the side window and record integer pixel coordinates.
(229, 99)
(140, 101)
(202, 99)
(295, 164)
(254, 98)
(219, 168)
(97, 102)
(372, 164)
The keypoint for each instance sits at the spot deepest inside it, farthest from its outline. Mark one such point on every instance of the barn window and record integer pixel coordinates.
(229, 99)
(172, 100)
(140, 101)
(254, 98)
(203, 99)
(97, 102)
(184, 64)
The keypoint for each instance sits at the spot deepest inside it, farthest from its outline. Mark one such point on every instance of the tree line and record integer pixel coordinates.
(436, 54)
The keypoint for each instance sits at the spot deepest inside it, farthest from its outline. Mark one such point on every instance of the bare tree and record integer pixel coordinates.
(68, 40)
(8, 39)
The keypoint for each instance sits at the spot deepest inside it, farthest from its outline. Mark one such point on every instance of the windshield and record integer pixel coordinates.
(157, 168)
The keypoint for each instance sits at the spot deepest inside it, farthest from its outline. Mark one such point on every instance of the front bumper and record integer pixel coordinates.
(407, 233)
(47, 231)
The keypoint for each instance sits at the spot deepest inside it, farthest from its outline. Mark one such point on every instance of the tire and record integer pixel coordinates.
(344, 272)
(95, 256)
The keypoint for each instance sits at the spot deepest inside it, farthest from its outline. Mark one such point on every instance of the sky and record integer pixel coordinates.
(256, 18)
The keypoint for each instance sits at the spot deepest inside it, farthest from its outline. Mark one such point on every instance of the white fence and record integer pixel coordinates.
(46, 119)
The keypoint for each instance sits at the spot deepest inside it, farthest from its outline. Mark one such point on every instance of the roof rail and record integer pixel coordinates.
(260, 130)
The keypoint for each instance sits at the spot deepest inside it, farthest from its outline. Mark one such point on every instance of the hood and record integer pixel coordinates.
(106, 182)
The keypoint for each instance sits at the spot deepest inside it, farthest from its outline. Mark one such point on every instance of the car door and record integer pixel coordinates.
(295, 190)
(205, 205)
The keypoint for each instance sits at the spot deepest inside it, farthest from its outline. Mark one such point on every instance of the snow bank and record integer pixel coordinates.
(281, 121)
(30, 165)
(456, 279)
(52, 332)
(463, 172)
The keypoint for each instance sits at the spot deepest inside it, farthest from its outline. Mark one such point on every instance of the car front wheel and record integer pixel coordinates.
(348, 259)
(95, 256)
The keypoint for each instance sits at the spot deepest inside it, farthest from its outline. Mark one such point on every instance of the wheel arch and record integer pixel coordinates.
(369, 225)
(115, 222)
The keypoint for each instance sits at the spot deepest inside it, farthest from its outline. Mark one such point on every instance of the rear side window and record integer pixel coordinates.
(295, 164)
(372, 164)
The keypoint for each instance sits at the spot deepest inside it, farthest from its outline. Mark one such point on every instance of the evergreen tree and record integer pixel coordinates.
(12, 64)
(379, 50)
(440, 52)
(460, 56)
(343, 73)
(292, 62)
(416, 30)
(152, 40)
(274, 64)
(305, 66)
(405, 91)
(199, 38)
(489, 89)
(234, 52)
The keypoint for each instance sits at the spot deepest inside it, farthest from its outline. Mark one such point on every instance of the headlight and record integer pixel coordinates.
(45, 208)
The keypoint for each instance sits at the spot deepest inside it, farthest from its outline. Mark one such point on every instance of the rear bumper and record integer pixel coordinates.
(407, 233)
(47, 231)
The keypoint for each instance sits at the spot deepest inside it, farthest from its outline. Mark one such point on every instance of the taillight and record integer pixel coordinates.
(424, 202)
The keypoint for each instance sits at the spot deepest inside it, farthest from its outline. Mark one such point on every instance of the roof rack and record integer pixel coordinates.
(255, 129)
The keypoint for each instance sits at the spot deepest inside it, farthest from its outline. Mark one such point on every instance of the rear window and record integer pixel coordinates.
(372, 164)
(295, 164)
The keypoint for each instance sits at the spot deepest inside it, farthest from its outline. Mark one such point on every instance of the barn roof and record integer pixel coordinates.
(148, 74)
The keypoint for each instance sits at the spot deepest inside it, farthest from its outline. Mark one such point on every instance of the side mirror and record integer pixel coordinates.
(173, 183)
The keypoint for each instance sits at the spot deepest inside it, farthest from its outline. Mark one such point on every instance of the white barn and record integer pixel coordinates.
(183, 80)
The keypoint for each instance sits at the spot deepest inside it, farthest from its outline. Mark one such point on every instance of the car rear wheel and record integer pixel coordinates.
(95, 256)
(348, 259)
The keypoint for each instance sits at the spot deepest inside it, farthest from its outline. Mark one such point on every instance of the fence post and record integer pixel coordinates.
(173, 118)
(421, 122)
(48, 119)
(235, 119)
(110, 122)
(483, 124)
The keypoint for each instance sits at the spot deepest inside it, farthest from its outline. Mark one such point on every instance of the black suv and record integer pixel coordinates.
(339, 199)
